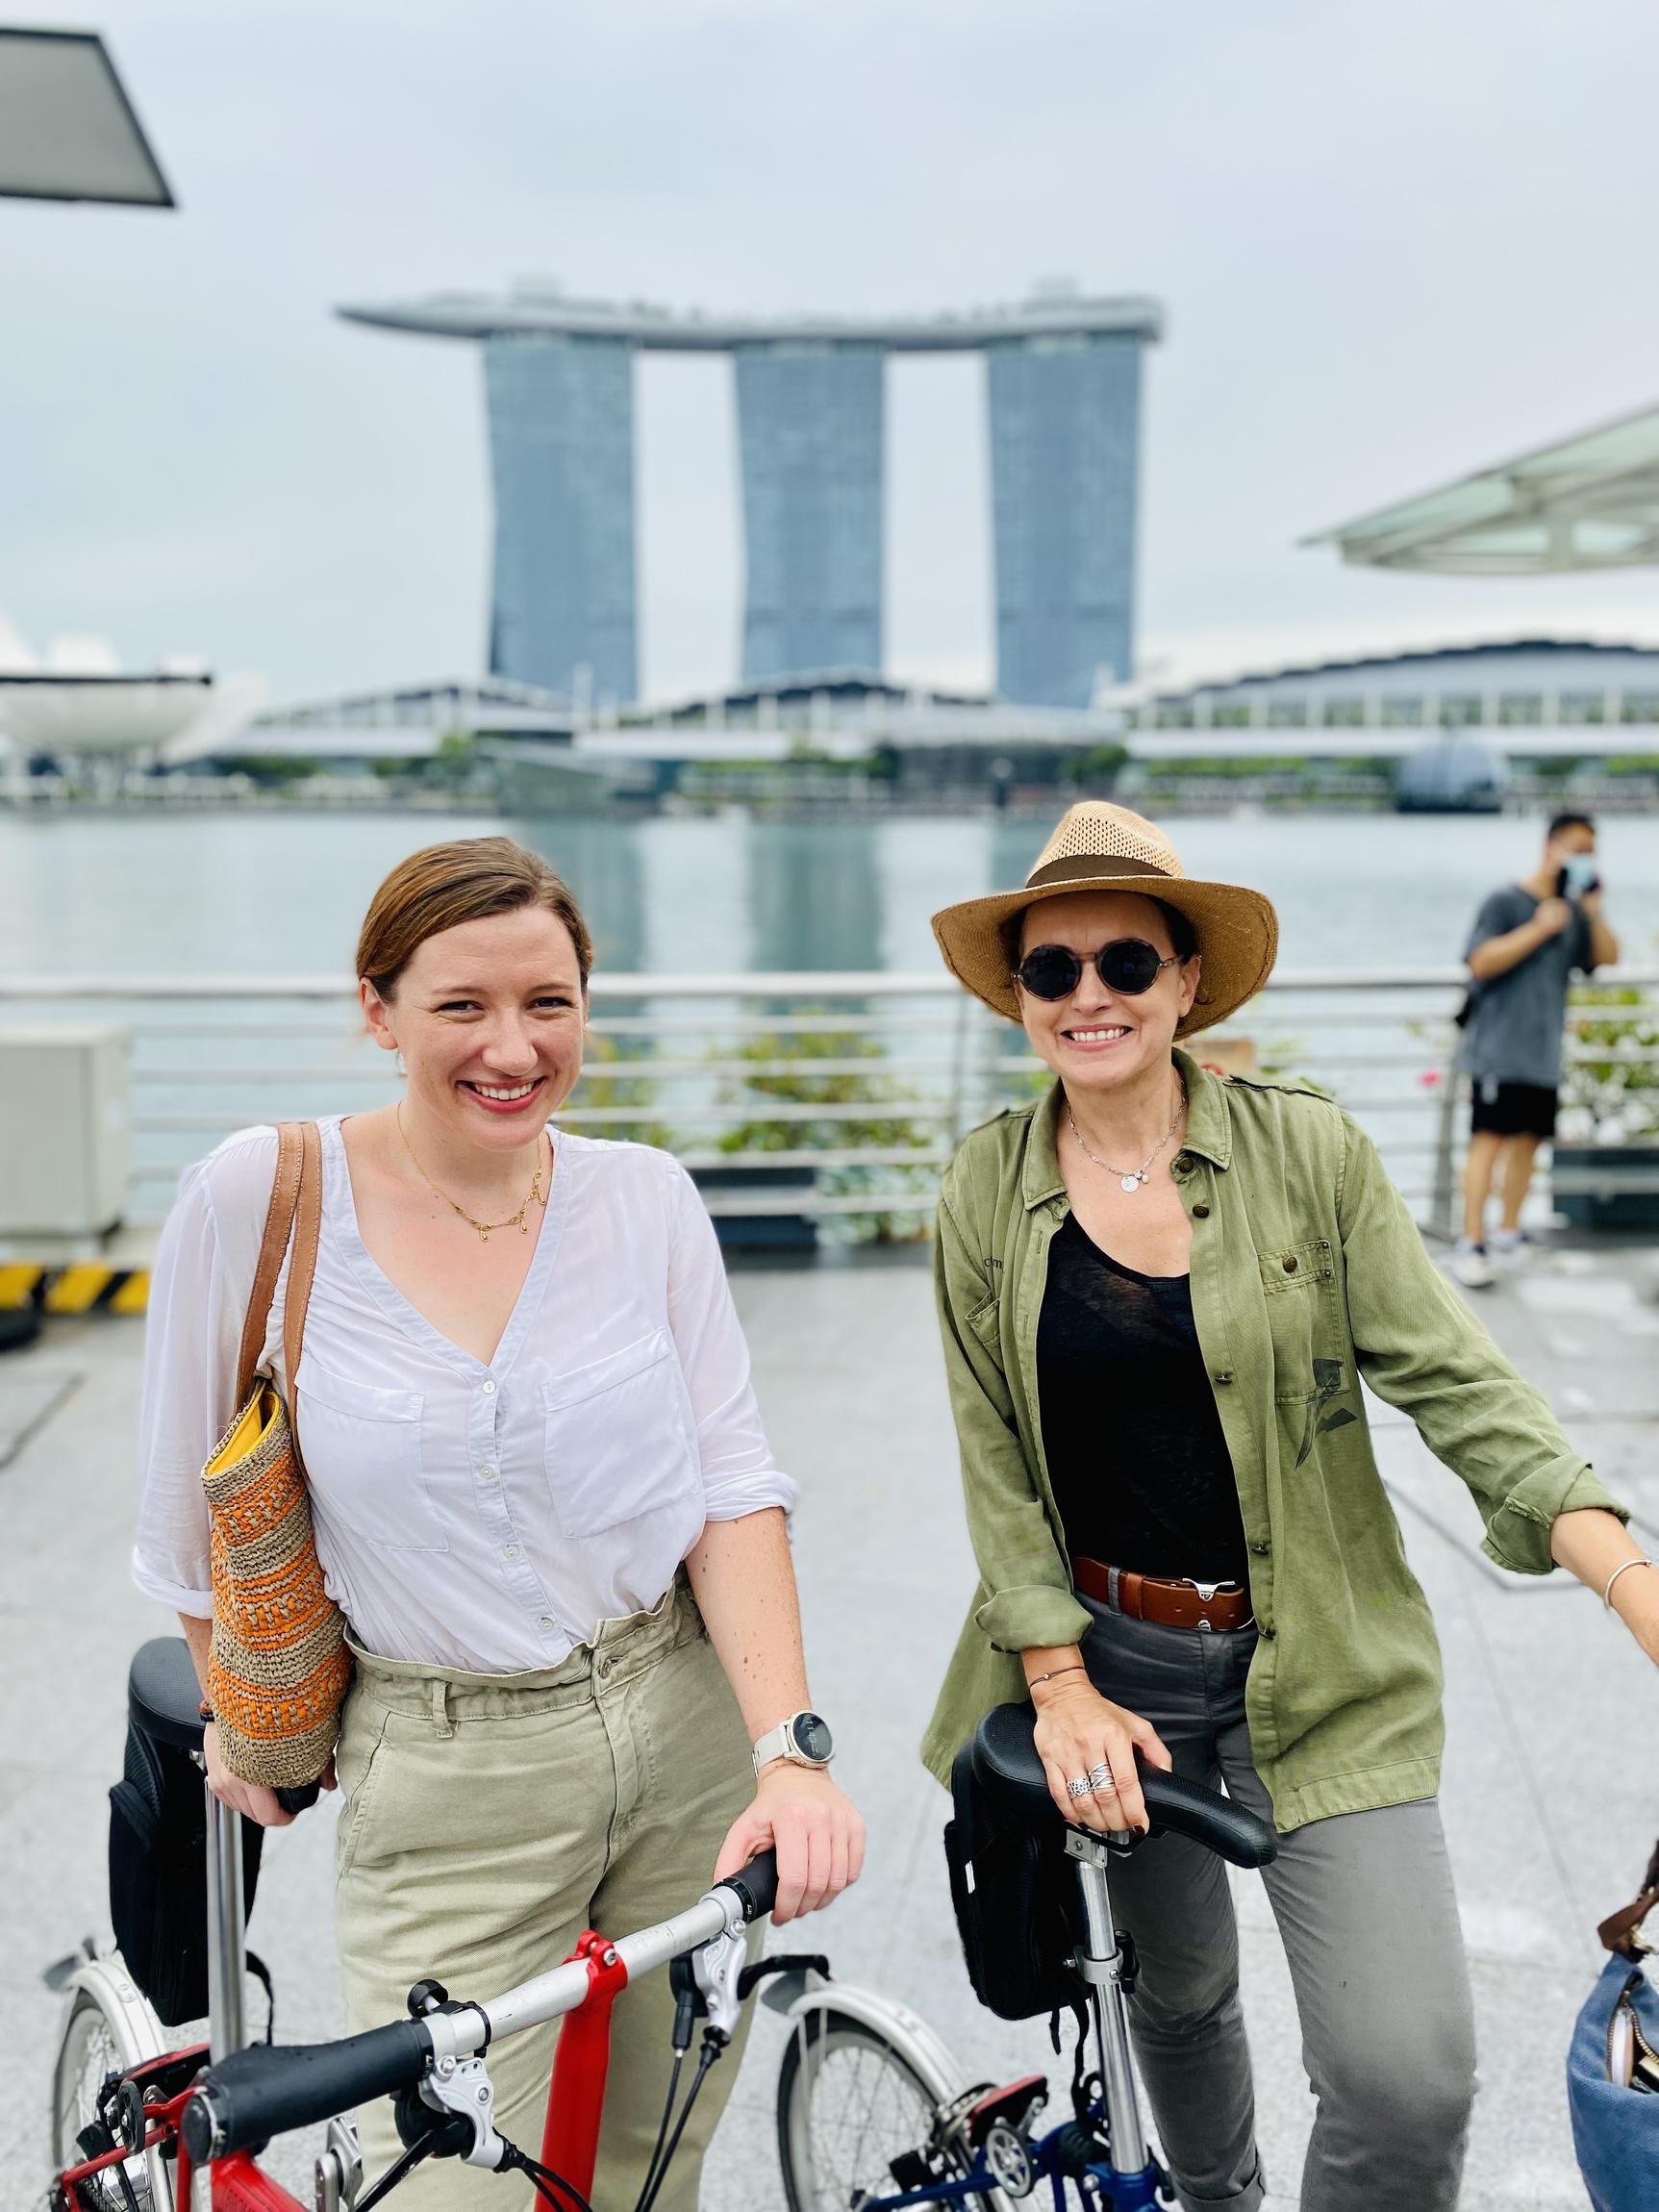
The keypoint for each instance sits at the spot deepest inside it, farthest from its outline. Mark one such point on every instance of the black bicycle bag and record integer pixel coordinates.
(1012, 1888)
(158, 1839)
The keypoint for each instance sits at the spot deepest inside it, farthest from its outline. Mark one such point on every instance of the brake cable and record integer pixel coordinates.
(713, 2046)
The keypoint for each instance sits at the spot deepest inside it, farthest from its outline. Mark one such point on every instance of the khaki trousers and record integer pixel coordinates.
(488, 1820)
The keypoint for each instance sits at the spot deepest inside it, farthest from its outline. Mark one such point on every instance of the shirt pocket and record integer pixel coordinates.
(1299, 1288)
(617, 1441)
(361, 1448)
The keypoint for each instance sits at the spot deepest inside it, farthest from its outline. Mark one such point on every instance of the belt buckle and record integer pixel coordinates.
(1206, 1595)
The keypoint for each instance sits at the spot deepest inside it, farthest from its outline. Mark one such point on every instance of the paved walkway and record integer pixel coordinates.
(1552, 1795)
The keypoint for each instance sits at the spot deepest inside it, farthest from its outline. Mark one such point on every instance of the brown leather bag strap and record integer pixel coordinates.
(279, 1222)
(1621, 1932)
(302, 1267)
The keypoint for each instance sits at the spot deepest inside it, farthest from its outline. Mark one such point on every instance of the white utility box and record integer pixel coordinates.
(64, 1131)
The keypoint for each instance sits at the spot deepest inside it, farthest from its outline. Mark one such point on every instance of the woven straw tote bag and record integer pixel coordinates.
(278, 1666)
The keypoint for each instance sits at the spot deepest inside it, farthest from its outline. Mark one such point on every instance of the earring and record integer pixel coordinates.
(401, 1063)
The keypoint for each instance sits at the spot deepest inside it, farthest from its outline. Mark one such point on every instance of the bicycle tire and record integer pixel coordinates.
(830, 2037)
(104, 2032)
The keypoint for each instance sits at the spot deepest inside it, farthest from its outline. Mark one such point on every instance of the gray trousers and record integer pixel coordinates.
(1366, 1911)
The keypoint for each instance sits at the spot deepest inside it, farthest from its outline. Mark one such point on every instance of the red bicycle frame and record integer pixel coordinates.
(582, 2067)
(570, 2134)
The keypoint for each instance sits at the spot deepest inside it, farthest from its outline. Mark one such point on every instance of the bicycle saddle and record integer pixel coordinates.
(164, 1697)
(1006, 1763)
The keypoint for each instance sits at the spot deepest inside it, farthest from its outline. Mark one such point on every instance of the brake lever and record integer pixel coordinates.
(462, 2089)
(718, 1967)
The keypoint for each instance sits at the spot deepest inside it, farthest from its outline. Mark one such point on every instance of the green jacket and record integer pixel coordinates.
(1307, 1273)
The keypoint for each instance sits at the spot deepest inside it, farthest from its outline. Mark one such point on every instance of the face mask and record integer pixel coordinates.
(1580, 873)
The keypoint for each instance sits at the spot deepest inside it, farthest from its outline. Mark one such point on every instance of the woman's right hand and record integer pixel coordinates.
(1078, 1731)
(253, 1799)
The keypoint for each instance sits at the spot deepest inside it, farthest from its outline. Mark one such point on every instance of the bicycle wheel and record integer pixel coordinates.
(851, 2101)
(101, 2035)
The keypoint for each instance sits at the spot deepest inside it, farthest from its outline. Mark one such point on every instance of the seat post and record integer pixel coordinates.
(1100, 1962)
(227, 1950)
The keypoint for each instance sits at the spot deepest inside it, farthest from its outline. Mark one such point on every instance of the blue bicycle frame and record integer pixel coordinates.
(1127, 2179)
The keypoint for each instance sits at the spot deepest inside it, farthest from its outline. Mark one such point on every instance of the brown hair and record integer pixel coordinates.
(444, 885)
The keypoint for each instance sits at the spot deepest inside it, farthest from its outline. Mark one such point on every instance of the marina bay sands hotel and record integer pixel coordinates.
(1063, 384)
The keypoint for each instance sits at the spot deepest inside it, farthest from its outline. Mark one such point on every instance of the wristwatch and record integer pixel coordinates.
(804, 1739)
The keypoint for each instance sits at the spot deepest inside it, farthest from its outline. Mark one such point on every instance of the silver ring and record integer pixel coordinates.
(1100, 1781)
(1080, 1787)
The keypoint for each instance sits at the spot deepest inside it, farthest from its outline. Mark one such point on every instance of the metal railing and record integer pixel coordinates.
(852, 1090)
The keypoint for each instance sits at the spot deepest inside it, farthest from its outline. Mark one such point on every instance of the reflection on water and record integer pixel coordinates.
(284, 894)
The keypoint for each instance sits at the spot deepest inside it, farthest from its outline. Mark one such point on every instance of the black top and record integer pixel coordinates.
(1135, 1454)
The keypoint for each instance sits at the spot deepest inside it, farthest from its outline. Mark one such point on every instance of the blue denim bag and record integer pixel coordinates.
(1615, 2131)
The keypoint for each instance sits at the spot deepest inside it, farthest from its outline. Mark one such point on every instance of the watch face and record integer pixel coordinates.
(812, 1738)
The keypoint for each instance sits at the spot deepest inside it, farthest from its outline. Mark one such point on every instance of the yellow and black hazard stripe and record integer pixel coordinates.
(83, 1287)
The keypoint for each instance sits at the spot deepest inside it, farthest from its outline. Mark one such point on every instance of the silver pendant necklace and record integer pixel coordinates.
(1130, 1179)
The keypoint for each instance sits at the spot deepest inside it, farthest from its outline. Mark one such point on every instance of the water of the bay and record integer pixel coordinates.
(277, 894)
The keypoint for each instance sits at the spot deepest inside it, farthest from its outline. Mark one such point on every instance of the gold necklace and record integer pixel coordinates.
(1130, 1179)
(512, 1221)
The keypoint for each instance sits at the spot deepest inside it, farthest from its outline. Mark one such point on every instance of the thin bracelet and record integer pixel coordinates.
(1607, 1594)
(1079, 1669)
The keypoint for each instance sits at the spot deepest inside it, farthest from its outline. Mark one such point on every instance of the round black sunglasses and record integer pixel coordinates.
(1128, 965)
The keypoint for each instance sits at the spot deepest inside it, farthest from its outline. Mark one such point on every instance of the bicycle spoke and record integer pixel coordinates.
(864, 2113)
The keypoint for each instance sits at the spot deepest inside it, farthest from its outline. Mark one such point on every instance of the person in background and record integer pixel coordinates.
(1528, 940)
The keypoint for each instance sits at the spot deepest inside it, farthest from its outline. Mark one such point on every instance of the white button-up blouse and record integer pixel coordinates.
(481, 1517)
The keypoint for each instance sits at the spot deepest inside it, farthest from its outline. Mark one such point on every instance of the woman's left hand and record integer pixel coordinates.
(816, 1832)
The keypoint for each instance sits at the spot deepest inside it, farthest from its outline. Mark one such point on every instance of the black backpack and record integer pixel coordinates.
(1015, 1892)
(159, 1838)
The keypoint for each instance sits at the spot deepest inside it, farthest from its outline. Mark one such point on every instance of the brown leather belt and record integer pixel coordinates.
(1183, 1605)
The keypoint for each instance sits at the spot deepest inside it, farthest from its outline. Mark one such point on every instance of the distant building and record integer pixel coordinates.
(1065, 470)
(1542, 694)
(811, 432)
(561, 458)
(487, 706)
(1064, 382)
(1451, 773)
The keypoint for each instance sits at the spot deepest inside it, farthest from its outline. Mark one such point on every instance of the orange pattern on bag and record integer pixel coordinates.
(278, 1664)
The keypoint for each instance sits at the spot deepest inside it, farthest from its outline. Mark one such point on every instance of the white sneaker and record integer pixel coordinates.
(1470, 1267)
(1512, 1248)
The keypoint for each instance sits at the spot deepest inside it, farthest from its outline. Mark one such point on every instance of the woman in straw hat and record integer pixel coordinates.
(1158, 1295)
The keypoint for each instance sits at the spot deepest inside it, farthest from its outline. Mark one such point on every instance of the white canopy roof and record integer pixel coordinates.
(67, 129)
(1589, 502)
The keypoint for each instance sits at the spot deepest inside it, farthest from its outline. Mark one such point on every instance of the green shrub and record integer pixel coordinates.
(835, 1087)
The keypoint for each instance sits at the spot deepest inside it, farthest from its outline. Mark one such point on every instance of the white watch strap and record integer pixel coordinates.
(773, 1744)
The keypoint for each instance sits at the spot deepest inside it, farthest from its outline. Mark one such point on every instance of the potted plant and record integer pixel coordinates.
(1604, 1171)
(780, 1066)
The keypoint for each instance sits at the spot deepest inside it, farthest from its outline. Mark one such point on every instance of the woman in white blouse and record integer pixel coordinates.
(542, 1499)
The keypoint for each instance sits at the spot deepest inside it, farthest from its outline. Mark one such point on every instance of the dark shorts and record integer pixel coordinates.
(1512, 1109)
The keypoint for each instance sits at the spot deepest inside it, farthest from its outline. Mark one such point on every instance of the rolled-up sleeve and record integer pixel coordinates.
(1029, 1602)
(1419, 1348)
(739, 1473)
(193, 1337)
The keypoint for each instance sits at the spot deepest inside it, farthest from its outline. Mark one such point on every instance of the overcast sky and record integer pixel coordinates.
(1394, 241)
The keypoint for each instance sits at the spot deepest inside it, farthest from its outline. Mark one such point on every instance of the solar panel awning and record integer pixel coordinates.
(1589, 502)
(67, 129)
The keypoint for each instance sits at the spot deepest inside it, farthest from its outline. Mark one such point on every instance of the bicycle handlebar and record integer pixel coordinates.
(1231, 1831)
(249, 2096)
(756, 1885)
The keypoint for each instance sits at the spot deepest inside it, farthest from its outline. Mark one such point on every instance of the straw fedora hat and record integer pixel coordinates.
(1102, 847)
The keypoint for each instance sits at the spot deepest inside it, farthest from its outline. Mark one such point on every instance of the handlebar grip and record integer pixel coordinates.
(300, 1800)
(1222, 1825)
(756, 1885)
(249, 2096)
